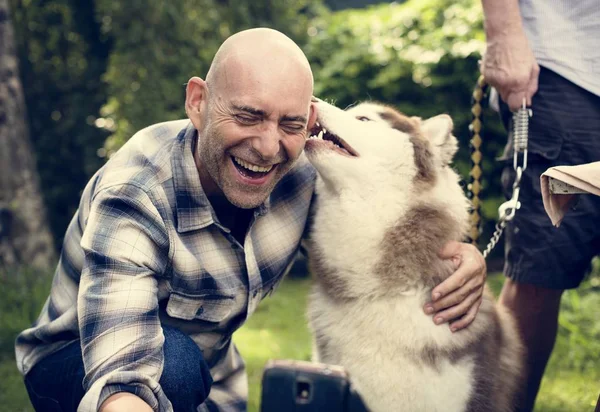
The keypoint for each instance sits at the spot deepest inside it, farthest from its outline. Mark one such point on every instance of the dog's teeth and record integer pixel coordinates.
(320, 135)
(324, 130)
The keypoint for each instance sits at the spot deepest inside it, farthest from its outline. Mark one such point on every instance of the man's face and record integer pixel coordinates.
(253, 131)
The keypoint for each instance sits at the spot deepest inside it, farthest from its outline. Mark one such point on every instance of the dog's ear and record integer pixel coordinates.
(438, 130)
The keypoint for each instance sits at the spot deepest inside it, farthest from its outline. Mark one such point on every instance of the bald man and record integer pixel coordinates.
(179, 237)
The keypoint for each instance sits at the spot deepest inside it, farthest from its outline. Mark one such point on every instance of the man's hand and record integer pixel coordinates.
(457, 299)
(508, 63)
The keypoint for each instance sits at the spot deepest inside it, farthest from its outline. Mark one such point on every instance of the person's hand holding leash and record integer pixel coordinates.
(457, 299)
(508, 63)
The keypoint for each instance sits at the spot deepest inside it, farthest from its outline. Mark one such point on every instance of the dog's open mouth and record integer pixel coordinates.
(319, 135)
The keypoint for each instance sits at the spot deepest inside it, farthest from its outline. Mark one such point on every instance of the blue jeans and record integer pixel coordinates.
(55, 383)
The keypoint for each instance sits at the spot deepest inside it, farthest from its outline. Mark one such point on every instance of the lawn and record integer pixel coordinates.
(278, 331)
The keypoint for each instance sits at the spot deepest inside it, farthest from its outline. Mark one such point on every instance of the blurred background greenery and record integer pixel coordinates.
(96, 71)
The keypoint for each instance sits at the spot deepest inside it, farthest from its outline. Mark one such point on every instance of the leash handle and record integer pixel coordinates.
(521, 136)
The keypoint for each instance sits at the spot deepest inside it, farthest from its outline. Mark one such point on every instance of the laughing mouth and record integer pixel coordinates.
(319, 134)
(251, 170)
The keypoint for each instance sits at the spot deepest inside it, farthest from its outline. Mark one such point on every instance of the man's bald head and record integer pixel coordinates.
(253, 112)
(257, 53)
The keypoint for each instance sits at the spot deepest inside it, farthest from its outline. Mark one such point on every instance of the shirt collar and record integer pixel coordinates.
(193, 208)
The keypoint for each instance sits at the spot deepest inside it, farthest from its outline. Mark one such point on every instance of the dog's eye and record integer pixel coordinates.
(363, 118)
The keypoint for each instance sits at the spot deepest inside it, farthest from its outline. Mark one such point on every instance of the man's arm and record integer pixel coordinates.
(126, 245)
(124, 401)
(508, 63)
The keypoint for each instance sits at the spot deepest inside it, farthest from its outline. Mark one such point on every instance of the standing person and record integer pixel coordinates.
(179, 237)
(547, 53)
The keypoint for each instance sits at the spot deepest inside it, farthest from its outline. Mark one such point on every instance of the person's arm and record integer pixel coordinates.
(508, 63)
(124, 401)
(126, 246)
(459, 296)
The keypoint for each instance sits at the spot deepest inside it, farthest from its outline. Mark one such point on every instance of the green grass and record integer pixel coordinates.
(23, 295)
(277, 330)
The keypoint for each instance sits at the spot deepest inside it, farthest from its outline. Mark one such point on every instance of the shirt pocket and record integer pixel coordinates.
(208, 308)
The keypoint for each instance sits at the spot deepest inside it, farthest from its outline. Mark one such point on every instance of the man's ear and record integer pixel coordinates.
(438, 130)
(312, 115)
(196, 98)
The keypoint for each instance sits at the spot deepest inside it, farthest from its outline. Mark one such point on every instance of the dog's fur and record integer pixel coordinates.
(380, 219)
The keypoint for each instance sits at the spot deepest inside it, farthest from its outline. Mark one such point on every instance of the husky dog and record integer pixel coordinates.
(386, 203)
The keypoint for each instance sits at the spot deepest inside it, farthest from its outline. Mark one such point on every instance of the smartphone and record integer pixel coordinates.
(298, 386)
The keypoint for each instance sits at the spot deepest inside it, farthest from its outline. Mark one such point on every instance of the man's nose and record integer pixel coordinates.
(268, 143)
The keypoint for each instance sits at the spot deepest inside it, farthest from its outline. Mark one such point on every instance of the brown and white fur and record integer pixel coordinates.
(386, 203)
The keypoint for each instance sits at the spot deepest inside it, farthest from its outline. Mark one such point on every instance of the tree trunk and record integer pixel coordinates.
(24, 234)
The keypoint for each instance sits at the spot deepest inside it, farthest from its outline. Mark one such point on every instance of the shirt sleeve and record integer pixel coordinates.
(126, 247)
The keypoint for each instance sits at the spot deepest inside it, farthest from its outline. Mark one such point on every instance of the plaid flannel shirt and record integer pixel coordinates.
(145, 249)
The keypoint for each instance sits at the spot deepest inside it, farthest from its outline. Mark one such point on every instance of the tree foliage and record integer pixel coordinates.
(62, 58)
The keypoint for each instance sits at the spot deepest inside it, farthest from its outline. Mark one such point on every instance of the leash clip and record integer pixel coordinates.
(508, 209)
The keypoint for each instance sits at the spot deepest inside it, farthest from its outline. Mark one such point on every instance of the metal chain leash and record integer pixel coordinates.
(508, 209)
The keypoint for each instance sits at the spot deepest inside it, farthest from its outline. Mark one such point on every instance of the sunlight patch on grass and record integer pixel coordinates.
(564, 390)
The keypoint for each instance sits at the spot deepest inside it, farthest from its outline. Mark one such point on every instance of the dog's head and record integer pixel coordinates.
(373, 145)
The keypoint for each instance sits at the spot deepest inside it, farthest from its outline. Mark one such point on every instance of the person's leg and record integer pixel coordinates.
(541, 261)
(536, 312)
(186, 378)
(55, 384)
